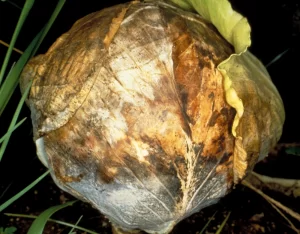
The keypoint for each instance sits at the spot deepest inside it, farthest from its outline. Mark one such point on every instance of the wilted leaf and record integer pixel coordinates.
(260, 113)
(231, 25)
(145, 101)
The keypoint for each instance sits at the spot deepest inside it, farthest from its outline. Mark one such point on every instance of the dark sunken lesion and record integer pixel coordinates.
(213, 119)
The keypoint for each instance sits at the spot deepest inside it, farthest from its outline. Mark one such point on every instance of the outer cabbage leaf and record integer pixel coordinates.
(231, 25)
(260, 113)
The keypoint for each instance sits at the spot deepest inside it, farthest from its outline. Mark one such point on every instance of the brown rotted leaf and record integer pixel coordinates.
(64, 76)
(130, 114)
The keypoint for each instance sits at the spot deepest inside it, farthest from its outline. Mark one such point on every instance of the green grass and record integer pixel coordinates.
(22, 192)
(8, 83)
(27, 7)
(12, 80)
(8, 230)
(55, 221)
(39, 223)
(220, 229)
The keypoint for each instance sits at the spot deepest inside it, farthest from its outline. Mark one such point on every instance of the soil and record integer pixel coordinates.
(275, 28)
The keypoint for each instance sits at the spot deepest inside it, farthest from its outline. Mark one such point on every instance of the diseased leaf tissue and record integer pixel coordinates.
(131, 113)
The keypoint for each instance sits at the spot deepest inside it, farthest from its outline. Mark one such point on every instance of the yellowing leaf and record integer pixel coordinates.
(231, 25)
(260, 113)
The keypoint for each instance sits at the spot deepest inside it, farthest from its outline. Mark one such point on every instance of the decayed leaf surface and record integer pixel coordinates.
(138, 120)
(260, 113)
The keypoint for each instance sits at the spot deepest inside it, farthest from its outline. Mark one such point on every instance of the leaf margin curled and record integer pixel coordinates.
(236, 30)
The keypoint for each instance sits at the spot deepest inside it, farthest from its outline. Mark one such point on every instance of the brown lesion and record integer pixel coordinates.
(62, 77)
(226, 167)
(187, 127)
(201, 94)
(195, 65)
(60, 171)
(69, 179)
(106, 172)
(115, 25)
(213, 119)
(187, 73)
(193, 105)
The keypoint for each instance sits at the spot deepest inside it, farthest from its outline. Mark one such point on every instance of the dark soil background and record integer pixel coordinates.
(275, 28)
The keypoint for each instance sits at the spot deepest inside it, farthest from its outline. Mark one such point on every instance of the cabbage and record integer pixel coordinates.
(249, 89)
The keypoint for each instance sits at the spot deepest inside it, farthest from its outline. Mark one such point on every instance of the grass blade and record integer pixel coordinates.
(11, 130)
(12, 79)
(76, 224)
(13, 121)
(22, 192)
(208, 222)
(223, 224)
(274, 60)
(5, 190)
(14, 49)
(55, 13)
(53, 220)
(26, 8)
(39, 223)
(293, 151)
(13, 4)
